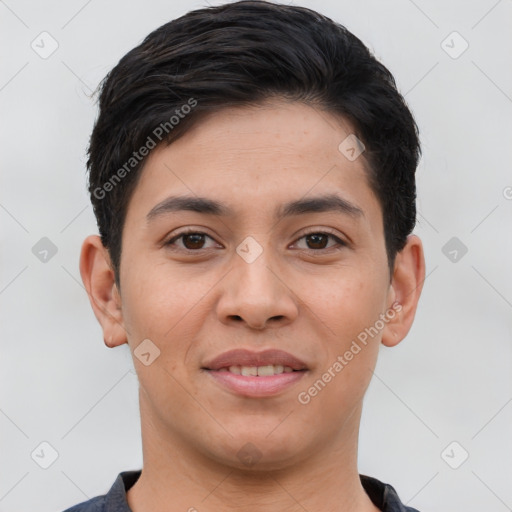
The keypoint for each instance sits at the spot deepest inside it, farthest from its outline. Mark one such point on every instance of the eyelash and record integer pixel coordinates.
(340, 243)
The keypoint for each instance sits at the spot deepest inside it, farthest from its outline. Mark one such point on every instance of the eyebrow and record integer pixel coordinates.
(204, 205)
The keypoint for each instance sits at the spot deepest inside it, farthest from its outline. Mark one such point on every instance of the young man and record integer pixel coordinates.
(252, 171)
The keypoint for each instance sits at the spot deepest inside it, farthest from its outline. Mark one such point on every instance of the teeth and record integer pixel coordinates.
(249, 371)
(266, 370)
(260, 371)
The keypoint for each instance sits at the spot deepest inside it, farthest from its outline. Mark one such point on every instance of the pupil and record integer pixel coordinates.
(197, 239)
(314, 239)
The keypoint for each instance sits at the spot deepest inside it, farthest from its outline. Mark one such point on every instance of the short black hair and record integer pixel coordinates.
(242, 54)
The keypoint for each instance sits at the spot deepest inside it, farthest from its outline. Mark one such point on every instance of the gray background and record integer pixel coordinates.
(450, 380)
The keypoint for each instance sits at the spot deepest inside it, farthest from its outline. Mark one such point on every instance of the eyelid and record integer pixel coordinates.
(189, 231)
(340, 242)
(323, 231)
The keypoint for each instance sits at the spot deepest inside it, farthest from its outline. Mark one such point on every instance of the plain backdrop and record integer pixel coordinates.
(444, 394)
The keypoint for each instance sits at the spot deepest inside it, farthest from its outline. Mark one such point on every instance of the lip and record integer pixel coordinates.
(250, 386)
(256, 387)
(243, 357)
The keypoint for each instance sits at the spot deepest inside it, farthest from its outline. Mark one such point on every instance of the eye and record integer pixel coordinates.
(191, 240)
(317, 240)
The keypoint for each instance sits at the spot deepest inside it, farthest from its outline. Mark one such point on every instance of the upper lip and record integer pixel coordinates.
(242, 357)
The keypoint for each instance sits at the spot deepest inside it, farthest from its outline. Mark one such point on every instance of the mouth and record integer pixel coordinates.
(256, 374)
(258, 371)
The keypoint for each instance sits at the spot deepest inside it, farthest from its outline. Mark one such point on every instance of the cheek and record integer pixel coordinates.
(157, 302)
(167, 307)
(348, 309)
(348, 305)
(163, 307)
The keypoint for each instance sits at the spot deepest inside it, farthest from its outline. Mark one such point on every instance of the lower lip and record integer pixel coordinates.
(256, 387)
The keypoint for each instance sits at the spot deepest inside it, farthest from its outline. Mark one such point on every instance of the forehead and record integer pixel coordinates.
(254, 157)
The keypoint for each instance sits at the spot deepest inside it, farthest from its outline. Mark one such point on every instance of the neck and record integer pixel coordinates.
(175, 477)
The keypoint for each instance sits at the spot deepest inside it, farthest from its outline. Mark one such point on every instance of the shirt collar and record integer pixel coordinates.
(382, 495)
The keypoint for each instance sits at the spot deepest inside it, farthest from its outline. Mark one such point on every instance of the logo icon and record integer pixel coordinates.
(454, 249)
(454, 455)
(146, 352)
(351, 147)
(44, 455)
(249, 249)
(249, 454)
(454, 45)
(44, 250)
(44, 45)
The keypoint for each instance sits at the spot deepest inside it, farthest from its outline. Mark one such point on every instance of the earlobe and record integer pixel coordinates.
(405, 290)
(98, 278)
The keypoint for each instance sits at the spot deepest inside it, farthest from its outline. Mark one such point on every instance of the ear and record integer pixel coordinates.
(404, 292)
(98, 278)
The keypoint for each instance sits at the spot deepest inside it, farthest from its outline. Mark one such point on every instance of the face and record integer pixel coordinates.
(284, 252)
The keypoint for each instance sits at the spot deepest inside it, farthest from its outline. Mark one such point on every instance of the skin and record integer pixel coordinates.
(296, 296)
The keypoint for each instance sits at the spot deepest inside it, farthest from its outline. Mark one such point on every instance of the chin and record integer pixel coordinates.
(257, 450)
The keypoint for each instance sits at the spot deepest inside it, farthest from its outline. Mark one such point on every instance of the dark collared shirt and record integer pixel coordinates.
(382, 495)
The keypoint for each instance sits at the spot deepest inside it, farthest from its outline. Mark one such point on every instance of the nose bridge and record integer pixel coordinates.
(254, 292)
(255, 278)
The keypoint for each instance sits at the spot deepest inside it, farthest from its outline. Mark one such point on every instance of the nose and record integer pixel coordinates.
(256, 294)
